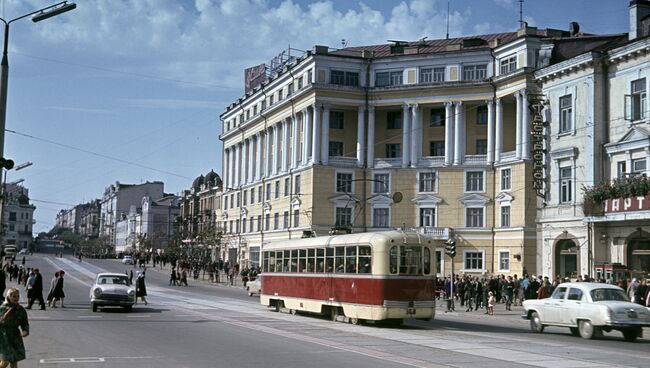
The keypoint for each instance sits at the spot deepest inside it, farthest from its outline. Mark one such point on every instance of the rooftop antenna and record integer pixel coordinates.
(521, 13)
(447, 19)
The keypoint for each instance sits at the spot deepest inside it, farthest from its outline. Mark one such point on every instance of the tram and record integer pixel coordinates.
(379, 276)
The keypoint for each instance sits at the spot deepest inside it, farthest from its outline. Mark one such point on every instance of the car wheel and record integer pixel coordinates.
(536, 323)
(587, 330)
(631, 334)
(575, 331)
(94, 307)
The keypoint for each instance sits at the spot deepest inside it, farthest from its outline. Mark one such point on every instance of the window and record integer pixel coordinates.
(505, 216)
(285, 220)
(344, 182)
(344, 78)
(237, 227)
(380, 217)
(437, 118)
(296, 184)
(621, 170)
(508, 64)
(287, 186)
(427, 217)
(267, 222)
(259, 223)
(277, 189)
(506, 179)
(279, 94)
(336, 119)
(296, 218)
(427, 182)
(481, 115)
(430, 75)
(343, 216)
(393, 150)
(575, 294)
(437, 148)
(394, 120)
(271, 100)
(481, 146)
(559, 293)
(638, 99)
(335, 149)
(504, 261)
(232, 201)
(639, 166)
(566, 114)
(225, 201)
(254, 110)
(474, 181)
(300, 83)
(474, 72)
(238, 199)
(393, 78)
(276, 221)
(474, 261)
(268, 191)
(381, 183)
(251, 224)
(566, 185)
(263, 105)
(252, 195)
(474, 217)
(245, 197)
(243, 226)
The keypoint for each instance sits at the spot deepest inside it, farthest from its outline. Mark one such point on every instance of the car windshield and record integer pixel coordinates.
(598, 295)
(113, 280)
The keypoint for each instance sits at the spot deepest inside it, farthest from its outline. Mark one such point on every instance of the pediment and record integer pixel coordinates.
(380, 199)
(474, 199)
(635, 138)
(426, 199)
(634, 134)
(266, 207)
(344, 199)
(296, 201)
(503, 197)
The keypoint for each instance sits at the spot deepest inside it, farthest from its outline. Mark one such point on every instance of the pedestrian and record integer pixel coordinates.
(29, 286)
(52, 285)
(183, 278)
(58, 293)
(14, 326)
(140, 289)
(490, 303)
(172, 277)
(3, 282)
(131, 277)
(37, 290)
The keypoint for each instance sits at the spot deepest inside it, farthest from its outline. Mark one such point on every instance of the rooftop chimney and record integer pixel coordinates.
(639, 10)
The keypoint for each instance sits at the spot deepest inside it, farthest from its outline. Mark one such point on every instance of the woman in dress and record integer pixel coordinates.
(140, 289)
(57, 293)
(50, 294)
(13, 327)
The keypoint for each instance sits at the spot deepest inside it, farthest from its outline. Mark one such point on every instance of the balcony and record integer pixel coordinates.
(435, 233)
(340, 161)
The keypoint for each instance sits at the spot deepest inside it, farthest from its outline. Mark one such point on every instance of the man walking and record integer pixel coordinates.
(37, 290)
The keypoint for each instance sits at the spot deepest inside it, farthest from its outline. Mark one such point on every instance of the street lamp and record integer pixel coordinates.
(39, 15)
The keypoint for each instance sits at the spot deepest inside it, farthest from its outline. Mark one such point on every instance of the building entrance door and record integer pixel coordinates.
(638, 256)
(566, 258)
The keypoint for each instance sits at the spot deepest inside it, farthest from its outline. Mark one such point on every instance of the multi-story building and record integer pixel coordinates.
(426, 135)
(81, 219)
(116, 202)
(598, 138)
(17, 217)
(198, 219)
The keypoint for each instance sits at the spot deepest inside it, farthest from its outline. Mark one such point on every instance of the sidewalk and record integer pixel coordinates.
(499, 310)
(203, 277)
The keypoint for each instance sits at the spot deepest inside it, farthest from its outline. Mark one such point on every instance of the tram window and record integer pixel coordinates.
(286, 261)
(294, 260)
(392, 260)
(339, 262)
(320, 260)
(311, 259)
(329, 261)
(427, 261)
(410, 260)
(351, 259)
(302, 262)
(278, 261)
(364, 259)
(269, 265)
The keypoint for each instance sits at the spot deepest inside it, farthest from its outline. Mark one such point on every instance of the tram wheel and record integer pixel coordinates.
(355, 321)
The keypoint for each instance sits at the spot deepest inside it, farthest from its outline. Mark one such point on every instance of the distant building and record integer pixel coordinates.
(17, 217)
(82, 219)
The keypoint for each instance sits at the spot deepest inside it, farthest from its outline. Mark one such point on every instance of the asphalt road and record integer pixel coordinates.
(208, 325)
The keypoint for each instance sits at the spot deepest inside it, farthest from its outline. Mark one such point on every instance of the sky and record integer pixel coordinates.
(132, 90)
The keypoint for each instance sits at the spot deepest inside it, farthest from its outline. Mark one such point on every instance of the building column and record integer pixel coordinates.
(518, 126)
(315, 140)
(416, 134)
(449, 133)
(232, 166)
(371, 136)
(406, 137)
(244, 161)
(325, 148)
(306, 135)
(458, 134)
(225, 168)
(251, 159)
(498, 145)
(258, 156)
(296, 141)
(361, 132)
(286, 146)
(237, 163)
(525, 126)
(276, 148)
(268, 161)
(490, 132)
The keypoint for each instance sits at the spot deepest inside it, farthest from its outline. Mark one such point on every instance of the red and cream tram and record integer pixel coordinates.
(367, 276)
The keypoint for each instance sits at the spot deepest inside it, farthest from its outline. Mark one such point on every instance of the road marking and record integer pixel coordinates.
(72, 360)
(90, 317)
(139, 316)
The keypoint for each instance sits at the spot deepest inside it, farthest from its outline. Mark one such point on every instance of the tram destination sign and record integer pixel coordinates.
(536, 104)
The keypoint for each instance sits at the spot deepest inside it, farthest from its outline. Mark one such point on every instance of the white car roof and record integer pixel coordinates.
(588, 286)
(111, 274)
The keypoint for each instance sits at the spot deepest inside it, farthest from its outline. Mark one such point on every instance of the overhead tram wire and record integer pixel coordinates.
(97, 154)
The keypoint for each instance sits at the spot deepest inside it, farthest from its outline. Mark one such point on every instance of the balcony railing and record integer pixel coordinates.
(437, 233)
(343, 161)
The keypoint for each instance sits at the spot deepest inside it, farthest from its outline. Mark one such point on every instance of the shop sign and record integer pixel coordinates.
(637, 203)
(538, 143)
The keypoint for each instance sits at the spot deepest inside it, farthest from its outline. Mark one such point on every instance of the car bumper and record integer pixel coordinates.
(623, 324)
(113, 303)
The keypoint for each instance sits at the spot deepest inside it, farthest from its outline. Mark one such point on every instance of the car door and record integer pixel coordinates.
(572, 306)
(554, 305)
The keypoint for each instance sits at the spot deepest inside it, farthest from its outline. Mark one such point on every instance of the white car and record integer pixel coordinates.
(254, 287)
(588, 309)
(112, 289)
(127, 260)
